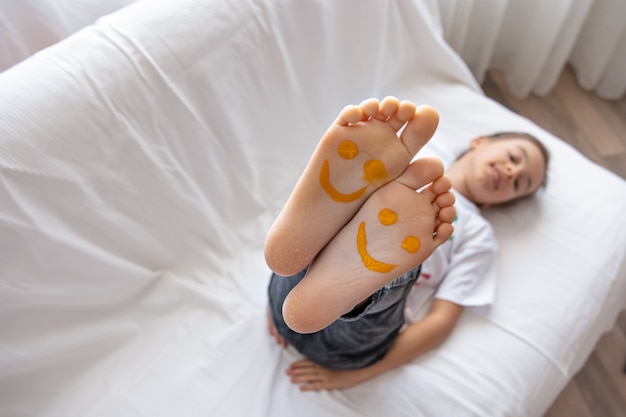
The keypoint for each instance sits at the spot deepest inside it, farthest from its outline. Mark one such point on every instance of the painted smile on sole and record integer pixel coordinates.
(373, 169)
(387, 217)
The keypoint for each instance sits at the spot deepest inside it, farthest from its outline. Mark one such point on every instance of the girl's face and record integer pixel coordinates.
(504, 169)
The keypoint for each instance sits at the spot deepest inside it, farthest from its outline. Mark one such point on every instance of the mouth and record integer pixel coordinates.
(496, 176)
(367, 259)
(333, 192)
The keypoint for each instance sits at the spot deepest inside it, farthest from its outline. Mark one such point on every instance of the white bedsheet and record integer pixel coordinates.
(143, 159)
(27, 26)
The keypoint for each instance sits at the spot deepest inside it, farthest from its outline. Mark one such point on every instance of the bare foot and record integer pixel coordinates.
(358, 154)
(395, 230)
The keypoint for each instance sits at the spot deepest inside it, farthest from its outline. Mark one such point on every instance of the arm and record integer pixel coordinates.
(416, 340)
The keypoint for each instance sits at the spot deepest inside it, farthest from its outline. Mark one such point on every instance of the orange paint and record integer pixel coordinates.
(332, 192)
(375, 171)
(369, 262)
(411, 244)
(347, 149)
(387, 217)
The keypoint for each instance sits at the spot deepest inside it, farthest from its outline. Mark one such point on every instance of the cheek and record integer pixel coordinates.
(482, 178)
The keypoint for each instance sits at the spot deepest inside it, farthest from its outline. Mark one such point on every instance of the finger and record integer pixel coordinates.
(314, 386)
(306, 372)
(302, 371)
(302, 367)
(302, 364)
(309, 387)
(270, 328)
(278, 338)
(305, 377)
(280, 341)
(310, 381)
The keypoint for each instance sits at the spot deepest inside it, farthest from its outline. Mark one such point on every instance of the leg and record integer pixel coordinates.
(349, 343)
(360, 152)
(396, 229)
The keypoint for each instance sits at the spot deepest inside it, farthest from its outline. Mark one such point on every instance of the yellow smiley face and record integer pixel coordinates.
(373, 169)
(387, 217)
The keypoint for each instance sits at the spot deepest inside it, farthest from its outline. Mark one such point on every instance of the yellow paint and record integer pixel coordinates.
(375, 171)
(332, 192)
(411, 244)
(369, 262)
(387, 217)
(347, 149)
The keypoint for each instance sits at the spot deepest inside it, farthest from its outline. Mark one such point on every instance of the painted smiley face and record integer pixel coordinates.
(373, 169)
(387, 217)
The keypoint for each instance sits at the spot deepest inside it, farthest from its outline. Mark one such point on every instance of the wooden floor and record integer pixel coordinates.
(597, 128)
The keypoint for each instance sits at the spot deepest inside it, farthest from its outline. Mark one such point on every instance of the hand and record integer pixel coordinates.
(312, 377)
(280, 341)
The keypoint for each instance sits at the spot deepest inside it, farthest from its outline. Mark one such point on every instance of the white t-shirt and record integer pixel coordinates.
(462, 270)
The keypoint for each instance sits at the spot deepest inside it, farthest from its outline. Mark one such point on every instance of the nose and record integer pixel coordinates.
(511, 170)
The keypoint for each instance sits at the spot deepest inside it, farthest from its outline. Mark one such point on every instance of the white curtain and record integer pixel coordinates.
(532, 40)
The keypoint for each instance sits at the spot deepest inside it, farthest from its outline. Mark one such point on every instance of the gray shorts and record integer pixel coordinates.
(355, 340)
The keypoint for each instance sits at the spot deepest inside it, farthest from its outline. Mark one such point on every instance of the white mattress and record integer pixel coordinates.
(142, 160)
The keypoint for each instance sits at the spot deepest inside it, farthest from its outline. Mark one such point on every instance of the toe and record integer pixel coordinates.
(446, 199)
(420, 128)
(388, 107)
(443, 202)
(446, 214)
(369, 108)
(443, 233)
(422, 172)
(405, 112)
(349, 114)
(442, 185)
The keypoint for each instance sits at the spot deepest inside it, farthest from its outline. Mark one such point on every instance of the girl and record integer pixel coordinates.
(365, 225)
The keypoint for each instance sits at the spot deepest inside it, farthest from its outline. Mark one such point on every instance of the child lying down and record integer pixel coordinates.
(350, 243)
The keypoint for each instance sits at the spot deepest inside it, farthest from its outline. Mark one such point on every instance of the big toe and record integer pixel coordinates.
(420, 128)
(421, 172)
